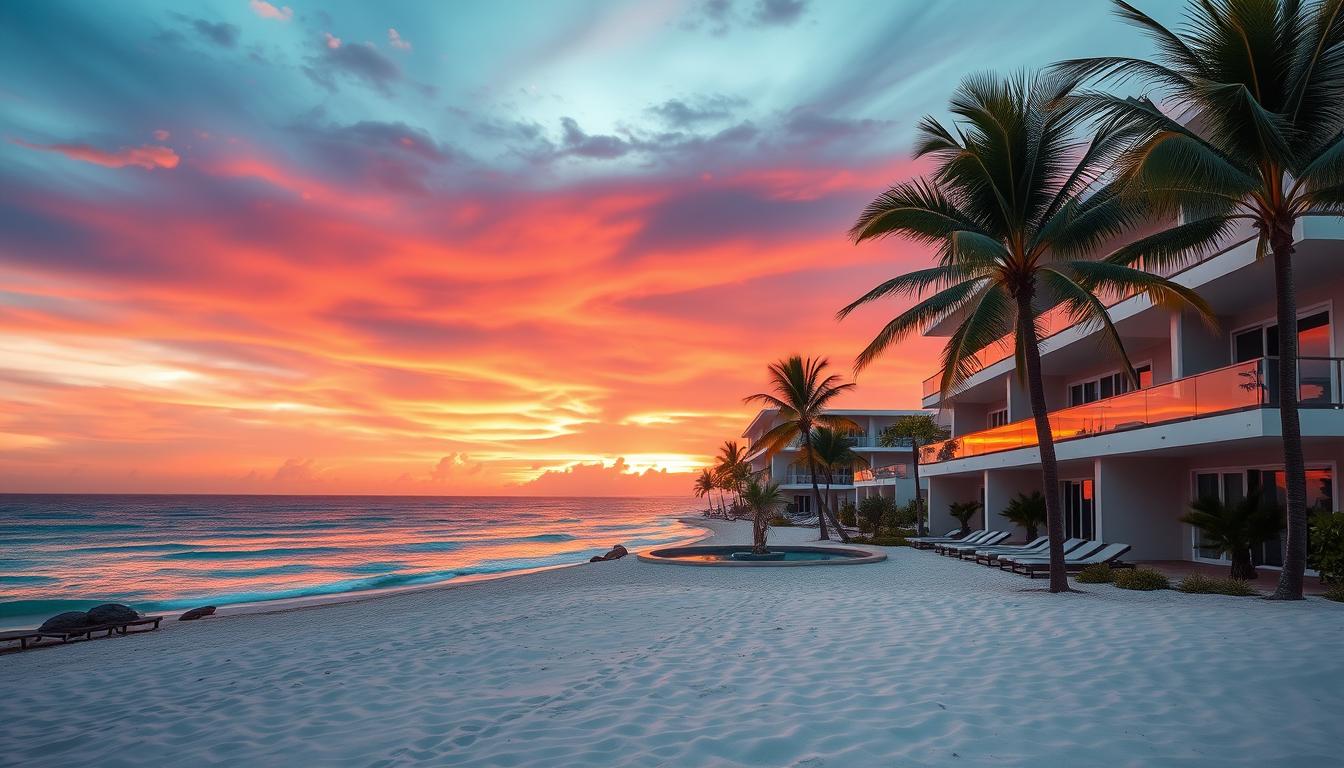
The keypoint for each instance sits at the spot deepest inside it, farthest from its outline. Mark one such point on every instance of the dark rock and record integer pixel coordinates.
(596, 559)
(112, 613)
(67, 620)
(197, 613)
(616, 553)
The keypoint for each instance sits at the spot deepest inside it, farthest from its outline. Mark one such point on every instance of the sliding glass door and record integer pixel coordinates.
(1079, 509)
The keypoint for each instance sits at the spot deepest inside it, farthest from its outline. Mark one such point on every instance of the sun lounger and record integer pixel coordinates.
(956, 547)
(991, 556)
(106, 630)
(22, 635)
(1109, 553)
(949, 536)
(931, 542)
(1082, 550)
(1034, 545)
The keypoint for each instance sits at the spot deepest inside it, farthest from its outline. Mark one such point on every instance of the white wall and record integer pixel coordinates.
(944, 491)
(1000, 488)
(1139, 502)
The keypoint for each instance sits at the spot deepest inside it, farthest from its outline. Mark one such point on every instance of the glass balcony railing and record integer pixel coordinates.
(889, 472)
(803, 477)
(1251, 384)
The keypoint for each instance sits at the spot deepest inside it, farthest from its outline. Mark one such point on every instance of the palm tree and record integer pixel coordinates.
(962, 512)
(732, 468)
(1027, 512)
(1264, 82)
(832, 451)
(801, 392)
(1235, 527)
(763, 501)
(1017, 209)
(705, 485)
(918, 430)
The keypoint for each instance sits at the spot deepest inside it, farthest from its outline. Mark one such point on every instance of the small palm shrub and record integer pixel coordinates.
(1097, 573)
(1327, 546)
(875, 510)
(1142, 579)
(1335, 592)
(1236, 527)
(1026, 512)
(849, 516)
(962, 512)
(1199, 584)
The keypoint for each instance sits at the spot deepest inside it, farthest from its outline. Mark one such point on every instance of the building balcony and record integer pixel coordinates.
(1239, 387)
(802, 477)
(889, 473)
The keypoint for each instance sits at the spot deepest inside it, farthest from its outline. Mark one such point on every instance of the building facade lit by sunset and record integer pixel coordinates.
(884, 471)
(1203, 421)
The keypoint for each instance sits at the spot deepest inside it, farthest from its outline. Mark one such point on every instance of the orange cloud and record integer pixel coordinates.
(148, 156)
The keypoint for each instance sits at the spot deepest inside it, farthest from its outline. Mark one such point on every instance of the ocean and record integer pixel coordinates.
(161, 554)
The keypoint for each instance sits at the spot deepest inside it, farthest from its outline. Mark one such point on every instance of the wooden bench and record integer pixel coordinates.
(22, 635)
(125, 627)
(87, 632)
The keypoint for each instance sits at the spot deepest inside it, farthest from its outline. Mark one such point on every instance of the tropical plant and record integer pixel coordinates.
(918, 430)
(849, 514)
(962, 512)
(1199, 584)
(1026, 512)
(1327, 546)
(832, 451)
(732, 469)
(1262, 84)
(705, 485)
(1235, 527)
(1017, 210)
(763, 501)
(1142, 579)
(1097, 573)
(801, 390)
(875, 510)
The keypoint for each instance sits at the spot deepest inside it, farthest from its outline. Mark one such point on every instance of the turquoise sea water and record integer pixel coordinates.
(169, 553)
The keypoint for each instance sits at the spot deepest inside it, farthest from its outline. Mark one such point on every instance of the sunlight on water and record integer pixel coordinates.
(166, 553)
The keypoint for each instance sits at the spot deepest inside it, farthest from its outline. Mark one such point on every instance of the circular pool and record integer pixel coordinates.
(740, 556)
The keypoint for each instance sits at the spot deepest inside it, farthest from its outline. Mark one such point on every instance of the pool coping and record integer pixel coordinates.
(860, 556)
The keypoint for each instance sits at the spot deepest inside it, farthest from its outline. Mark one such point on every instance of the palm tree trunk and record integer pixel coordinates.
(919, 495)
(1054, 518)
(1294, 461)
(822, 510)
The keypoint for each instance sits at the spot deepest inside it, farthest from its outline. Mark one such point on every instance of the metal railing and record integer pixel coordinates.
(805, 478)
(1252, 384)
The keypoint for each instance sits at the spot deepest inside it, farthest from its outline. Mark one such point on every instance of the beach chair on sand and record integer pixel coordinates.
(952, 548)
(100, 630)
(949, 536)
(1035, 545)
(24, 636)
(928, 542)
(1109, 554)
(1087, 547)
(992, 554)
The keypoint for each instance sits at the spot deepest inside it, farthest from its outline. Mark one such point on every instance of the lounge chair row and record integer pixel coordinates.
(26, 637)
(1030, 559)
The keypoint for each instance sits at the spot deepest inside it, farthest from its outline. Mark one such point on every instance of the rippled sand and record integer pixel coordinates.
(919, 660)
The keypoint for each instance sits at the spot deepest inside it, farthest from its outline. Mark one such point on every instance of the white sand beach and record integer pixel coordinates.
(919, 660)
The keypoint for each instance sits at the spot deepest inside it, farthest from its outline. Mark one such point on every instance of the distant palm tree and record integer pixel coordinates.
(1235, 528)
(832, 451)
(705, 485)
(732, 468)
(919, 430)
(763, 501)
(962, 512)
(1263, 84)
(801, 390)
(1017, 212)
(1026, 512)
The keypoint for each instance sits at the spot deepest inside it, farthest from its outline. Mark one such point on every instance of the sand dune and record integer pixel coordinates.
(918, 660)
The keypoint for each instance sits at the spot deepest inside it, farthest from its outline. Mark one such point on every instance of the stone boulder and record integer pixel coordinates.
(65, 621)
(112, 613)
(197, 613)
(616, 553)
(596, 559)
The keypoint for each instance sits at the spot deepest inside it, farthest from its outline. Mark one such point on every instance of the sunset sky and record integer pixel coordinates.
(452, 247)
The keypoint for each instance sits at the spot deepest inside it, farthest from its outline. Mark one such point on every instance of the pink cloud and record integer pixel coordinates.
(267, 11)
(598, 479)
(148, 156)
(333, 42)
(396, 40)
(161, 135)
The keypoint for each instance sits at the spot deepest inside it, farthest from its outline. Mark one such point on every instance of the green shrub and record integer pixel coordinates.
(1326, 544)
(1097, 573)
(904, 533)
(1336, 593)
(905, 516)
(849, 516)
(875, 509)
(882, 541)
(780, 521)
(1144, 579)
(1199, 584)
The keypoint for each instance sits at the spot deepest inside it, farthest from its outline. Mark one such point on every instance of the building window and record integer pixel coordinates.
(1313, 345)
(998, 418)
(1079, 509)
(1110, 385)
(1231, 486)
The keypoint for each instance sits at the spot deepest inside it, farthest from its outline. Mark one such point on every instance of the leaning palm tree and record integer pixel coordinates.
(832, 451)
(705, 485)
(731, 466)
(801, 390)
(1017, 210)
(763, 501)
(918, 430)
(1262, 82)
(1235, 527)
